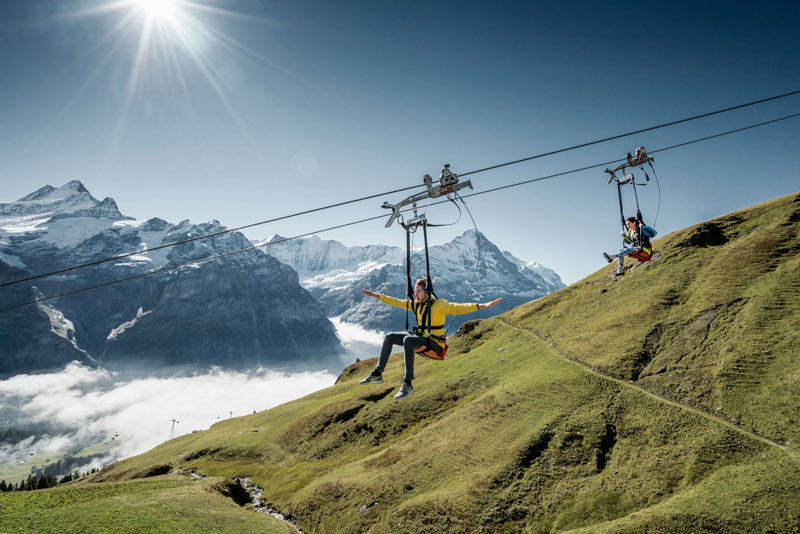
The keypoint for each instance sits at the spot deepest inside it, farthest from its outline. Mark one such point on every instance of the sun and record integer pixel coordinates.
(159, 9)
(169, 37)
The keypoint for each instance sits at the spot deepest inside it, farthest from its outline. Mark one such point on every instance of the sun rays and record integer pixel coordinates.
(167, 42)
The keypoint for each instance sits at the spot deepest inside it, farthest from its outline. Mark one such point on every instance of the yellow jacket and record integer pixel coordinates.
(441, 308)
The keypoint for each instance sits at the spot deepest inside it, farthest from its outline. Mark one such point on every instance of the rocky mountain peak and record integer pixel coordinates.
(39, 194)
(48, 192)
(275, 237)
(70, 200)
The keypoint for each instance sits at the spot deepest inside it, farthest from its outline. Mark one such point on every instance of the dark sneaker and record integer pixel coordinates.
(372, 379)
(608, 258)
(619, 272)
(405, 391)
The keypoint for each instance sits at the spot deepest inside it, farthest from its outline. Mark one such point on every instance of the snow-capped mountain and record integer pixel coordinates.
(313, 256)
(333, 272)
(244, 309)
(535, 270)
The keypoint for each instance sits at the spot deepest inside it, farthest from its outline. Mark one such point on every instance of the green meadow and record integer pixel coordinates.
(169, 503)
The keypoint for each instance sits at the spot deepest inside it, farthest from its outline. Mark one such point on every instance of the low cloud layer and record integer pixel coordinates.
(358, 341)
(81, 406)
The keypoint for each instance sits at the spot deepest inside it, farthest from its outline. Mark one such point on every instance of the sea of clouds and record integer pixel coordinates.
(81, 406)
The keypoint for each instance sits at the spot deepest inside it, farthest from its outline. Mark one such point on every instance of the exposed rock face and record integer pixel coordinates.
(241, 310)
(33, 337)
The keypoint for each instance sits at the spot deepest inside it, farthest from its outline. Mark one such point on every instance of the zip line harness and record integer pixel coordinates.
(643, 233)
(448, 185)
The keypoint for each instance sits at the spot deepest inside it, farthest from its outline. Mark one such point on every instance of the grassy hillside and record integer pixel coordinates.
(169, 503)
(662, 401)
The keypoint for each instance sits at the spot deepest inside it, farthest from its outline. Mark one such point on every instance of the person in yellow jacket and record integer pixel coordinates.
(412, 341)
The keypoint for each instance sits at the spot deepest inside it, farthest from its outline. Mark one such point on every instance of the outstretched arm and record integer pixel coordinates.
(391, 301)
(460, 309)
(489, 304)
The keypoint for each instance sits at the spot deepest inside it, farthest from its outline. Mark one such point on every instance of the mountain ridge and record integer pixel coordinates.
(232, 312)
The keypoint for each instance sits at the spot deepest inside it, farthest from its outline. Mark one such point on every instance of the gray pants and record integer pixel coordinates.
(409, 342)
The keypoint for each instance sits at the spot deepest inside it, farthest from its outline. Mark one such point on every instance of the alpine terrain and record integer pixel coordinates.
(662, 401)
(242, 310)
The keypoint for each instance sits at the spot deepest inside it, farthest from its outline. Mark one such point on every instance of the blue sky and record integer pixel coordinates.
(246, 110)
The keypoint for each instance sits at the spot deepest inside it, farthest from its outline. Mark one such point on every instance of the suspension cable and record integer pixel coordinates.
(352, 201)
(207, 236)
(191, 263)
(492, 190)
(651, 128)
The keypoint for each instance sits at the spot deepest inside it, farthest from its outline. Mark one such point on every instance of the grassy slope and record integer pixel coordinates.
(714, 326)
(664, 401)
(170, 503)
